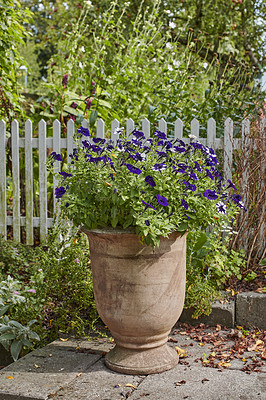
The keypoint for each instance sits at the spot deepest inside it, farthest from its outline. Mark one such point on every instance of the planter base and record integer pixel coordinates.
(141, 362)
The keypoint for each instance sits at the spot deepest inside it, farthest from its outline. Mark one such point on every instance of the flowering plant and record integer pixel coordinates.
(154, 185)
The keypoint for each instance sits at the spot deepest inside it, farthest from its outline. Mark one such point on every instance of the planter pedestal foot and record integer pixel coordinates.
(141, 362)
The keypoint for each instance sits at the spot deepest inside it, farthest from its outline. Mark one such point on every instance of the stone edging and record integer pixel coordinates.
(245, 309)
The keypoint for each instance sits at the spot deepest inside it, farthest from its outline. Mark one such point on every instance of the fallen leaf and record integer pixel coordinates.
(37, 366)
(204, 380)
(218, 327)
(182, 333)
(224, 364)
(117, 386)
(130, 385)
(10, 377)
(180, 383)
(263, 354)
(255, 346)
(181, 352)
(202, 344)
(79, 374)
(63, 340)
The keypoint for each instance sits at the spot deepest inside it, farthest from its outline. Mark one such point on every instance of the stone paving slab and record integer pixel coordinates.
(75, 370)
(44, 371)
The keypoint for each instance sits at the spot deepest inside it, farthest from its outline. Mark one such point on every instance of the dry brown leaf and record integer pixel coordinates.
(181, 352)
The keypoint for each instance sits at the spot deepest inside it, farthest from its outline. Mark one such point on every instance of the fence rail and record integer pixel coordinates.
(55, 143)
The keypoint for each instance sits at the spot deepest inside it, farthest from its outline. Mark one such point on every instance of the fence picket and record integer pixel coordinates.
(130, 126)
(100, 128)
(70, 138)
(211, 133)
(162, 125)
(146, 126)
(57, 164)
(178, 129)
(114, 135)
(42, 179)
(29, 182)
(228, 147)
(3, 179)
(16, 180)
(194, 127)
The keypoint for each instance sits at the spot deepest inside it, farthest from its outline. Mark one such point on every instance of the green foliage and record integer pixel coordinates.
(146, 62)
(15, 337)
(210, 265)
(12, 33)
(55, 289)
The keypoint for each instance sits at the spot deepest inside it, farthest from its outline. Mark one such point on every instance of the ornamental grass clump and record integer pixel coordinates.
(154, 185)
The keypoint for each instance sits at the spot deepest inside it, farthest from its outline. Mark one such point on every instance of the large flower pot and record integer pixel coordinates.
(139, 293)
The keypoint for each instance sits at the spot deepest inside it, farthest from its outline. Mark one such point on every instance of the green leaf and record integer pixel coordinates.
(7, 336)
(4, 309)
(16, 324)
(33, 335)
(93, 117)
(15, 349)
(200, 241)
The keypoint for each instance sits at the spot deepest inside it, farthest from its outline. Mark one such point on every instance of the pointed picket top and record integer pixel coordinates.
(211, 133)
(130, 126)
(100, 128)
(162, 125)
(146, 127)
(178, 129)
(114, 125)
(70, 138)
(194, 127)
(85, 124)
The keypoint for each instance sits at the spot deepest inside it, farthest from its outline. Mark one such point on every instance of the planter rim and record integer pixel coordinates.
(118, 231)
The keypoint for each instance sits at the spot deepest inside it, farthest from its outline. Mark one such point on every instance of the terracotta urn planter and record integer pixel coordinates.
(139, 293)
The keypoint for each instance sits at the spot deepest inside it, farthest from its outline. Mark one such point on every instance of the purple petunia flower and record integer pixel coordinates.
(197, 166)
(184, 204)
(236, 198)
(86, 144)
(209, 174)
(65, 174)
(83, 131)
(147, 205)
(190, 186)
(179, 149)
(56, 156)
(147, 222)
(210, 194)
(138, 134)
(159, 167)
(59, 192)
(231, 185)
(194, 176)
(221, 207)
(133, 169)
(149, 179)
(160, 135)
(162, 200)
(99, 140)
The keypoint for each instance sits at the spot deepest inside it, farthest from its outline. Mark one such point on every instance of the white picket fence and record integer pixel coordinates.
(56, 143)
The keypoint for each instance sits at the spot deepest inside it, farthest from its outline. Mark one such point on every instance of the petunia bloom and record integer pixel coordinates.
(162, 200)
(221, 207)
(210, 194)
(59, 192)
(149, 179)
(133, 169)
